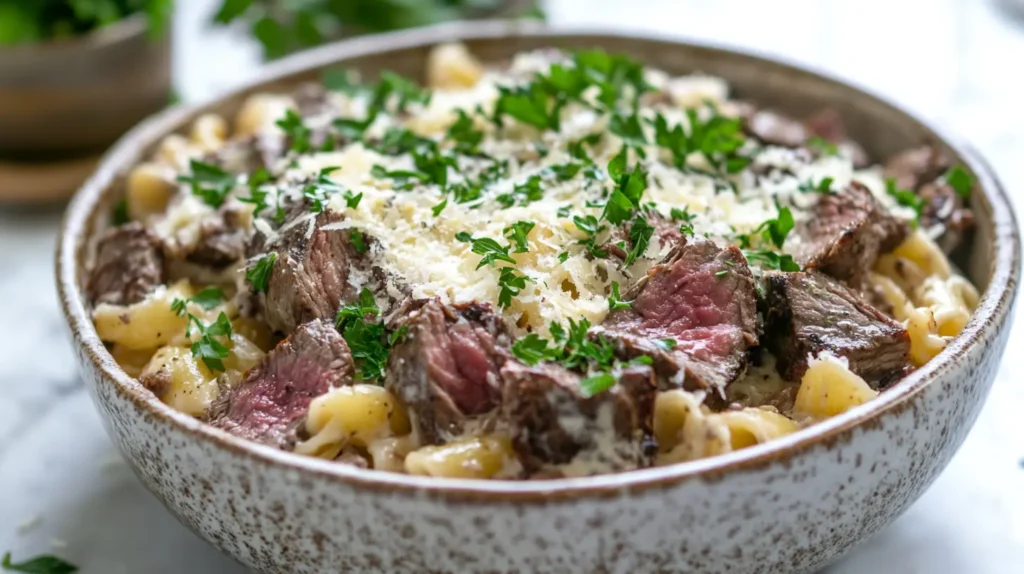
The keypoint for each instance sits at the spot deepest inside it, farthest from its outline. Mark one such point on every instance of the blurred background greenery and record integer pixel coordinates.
(280, 26)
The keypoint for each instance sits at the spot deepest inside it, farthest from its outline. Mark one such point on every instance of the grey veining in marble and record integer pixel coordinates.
(63, 488)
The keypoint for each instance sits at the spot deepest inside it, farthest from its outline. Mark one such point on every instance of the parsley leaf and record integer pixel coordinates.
(961, 181)
(319, 191)
(824, 186)
(772, 260)
(906, 198)
(523, 193)
(45, 564)
(533, 349)
(491, 250)
(529, 105)
(366, 336)
(822, 146)
(437, 209)
(404, 90)
(467, 138)
(628, 128)
(639, 237)
(590, 225)
(666, 344)
(615, 301)
(358, 241)
(207, 299)
(597, 384)
(208, 347)
(257, 195)
(776, 230)
(119, 215)
(403, 179)
(296, 130)
(517, 233)
(510, 284)
(209, 182)
(259, 274)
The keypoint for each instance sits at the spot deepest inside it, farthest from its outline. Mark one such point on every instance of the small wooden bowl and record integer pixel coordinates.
(63, 102)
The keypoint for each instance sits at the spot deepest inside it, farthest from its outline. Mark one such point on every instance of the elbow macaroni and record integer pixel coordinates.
(829, 388)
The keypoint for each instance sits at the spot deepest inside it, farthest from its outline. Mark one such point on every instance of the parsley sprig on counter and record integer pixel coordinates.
(44, 564)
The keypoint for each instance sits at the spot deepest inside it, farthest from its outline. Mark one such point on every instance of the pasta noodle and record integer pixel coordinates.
(829, 388)
(357, 415)
(485, 456)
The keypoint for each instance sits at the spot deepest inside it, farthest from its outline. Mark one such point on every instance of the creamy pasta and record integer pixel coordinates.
(565, 265)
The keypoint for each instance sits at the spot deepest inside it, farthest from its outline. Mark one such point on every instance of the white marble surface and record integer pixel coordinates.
(63, 488)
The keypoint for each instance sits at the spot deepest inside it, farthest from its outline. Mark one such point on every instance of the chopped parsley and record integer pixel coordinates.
(906, 198)
(666, 344)
(718, 138)
(961, 181)
(596, 384)
(437, 209)
(824, 186)
(517, 233)
(466, 138)
(533, 349)
(400, 88)
(771, 260)
(529, 105)
(776, 230)
(208, 347)
(367, 338)
(208, 299)
(319, 192)
(629, 129)
(625, 199)
(563, 256)
(358, 241)
(523, 193)
(45, 564)
(722, 273)
(639, 237)
(491, 250)
(591, 227)
(119, 215)
(822, 146)
(259, 274)
(209, 182)
(299, 134)
(615, 301)
(403, 179)
(510, 284)
(257, 195)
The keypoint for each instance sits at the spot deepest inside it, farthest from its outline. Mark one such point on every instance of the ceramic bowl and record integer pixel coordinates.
(791, 505)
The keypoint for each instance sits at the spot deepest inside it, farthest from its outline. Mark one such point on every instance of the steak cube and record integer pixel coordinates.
(808, 313)
(271, 402)
(129, 264)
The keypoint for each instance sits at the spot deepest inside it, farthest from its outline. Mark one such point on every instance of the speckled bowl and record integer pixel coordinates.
(791, 505)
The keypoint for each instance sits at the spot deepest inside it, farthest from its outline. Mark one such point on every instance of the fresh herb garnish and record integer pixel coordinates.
(297, 131)
(491, 250)
(666, 344)
(403, 179)
(563, 256)
(824, 186)
(366, 336)
(533, 349)
(119, 215)
(591, 226)
(906, 198)
(721, 273)
(208, 347)
(208, 299)
(465, 137)
(45, 564)
(615, 301)
(961, 181)
(628, 128)
(639, 237)
(319, 192)
(437, 209)
(776, 230)
(510, 284)
(257, 195)
(771, 260)
(259, 274)
(822, 146)
(625, 199)
(596, 384)
(209, 182)
(358, 241)
(517, 233)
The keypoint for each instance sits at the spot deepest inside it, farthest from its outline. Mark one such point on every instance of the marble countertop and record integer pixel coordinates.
(64, 488)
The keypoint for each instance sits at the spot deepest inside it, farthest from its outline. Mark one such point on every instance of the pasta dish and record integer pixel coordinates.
(561, 265)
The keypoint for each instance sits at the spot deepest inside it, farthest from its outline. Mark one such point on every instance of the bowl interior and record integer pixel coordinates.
(882, 128)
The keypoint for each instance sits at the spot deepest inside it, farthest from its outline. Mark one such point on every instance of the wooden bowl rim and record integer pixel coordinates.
(995, 305)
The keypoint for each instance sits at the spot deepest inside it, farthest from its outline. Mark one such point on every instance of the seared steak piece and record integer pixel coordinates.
(808, 313)
(920, 169)
(129, 264)
(310, 277)
(273, 398)
(553, 423)
(221, 241)
(777, 129)
(247, 155)
(445, 368)
(702, 298)
(846, 234)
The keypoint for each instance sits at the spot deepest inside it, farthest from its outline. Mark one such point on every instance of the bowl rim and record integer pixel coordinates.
(995, 304)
